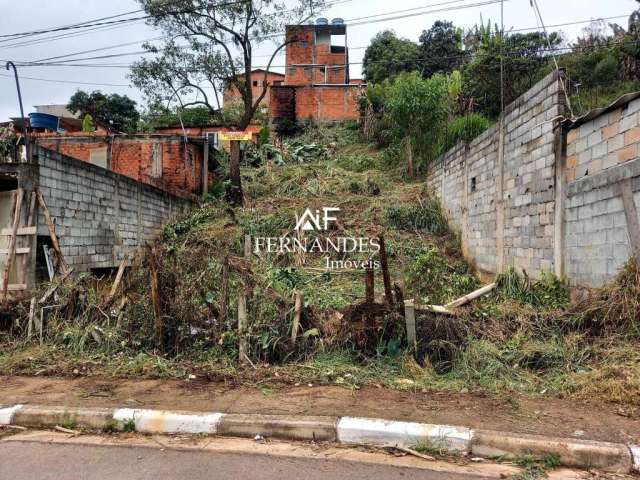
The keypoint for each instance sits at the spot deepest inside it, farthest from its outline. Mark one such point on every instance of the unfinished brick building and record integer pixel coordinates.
(317, 85)
(171, 162)
(258, 79)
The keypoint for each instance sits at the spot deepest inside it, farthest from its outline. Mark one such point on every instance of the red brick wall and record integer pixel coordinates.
(133, 157)
(232, 94)
(327, 104)
(301, 52)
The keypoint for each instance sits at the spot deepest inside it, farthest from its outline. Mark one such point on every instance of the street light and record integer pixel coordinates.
(25, 127)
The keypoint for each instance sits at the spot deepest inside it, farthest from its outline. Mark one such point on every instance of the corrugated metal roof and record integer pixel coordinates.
(621, 102)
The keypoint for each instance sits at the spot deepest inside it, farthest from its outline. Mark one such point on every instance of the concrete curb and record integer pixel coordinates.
(609, 457)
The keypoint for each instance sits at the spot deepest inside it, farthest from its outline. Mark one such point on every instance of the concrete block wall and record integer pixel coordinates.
(598, 243)
(505, 210)
(101, 217)
(528, 182)
(565, 199)
(611, 138)
(602, 154)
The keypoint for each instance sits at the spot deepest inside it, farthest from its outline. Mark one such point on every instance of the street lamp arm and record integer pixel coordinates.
(9, 66)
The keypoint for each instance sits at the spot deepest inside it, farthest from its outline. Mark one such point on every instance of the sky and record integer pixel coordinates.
(62, 82)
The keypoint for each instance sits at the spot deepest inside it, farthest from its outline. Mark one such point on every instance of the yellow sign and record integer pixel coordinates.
(226, 136)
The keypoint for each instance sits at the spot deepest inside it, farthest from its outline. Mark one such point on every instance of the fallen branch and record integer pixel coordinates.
(415, 454)
(54, 287)
(470, 296)
(116, 282)
(64, 268)
(66, 430)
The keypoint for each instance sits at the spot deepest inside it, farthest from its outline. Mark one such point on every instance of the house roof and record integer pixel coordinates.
(620, 102)
(258, 70)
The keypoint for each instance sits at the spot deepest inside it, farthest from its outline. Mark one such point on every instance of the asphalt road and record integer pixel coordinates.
(41, 461)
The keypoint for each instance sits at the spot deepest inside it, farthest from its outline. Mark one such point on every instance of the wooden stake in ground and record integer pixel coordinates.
(242, 309)
(235, 193)
(12, 242)
(410, 320)
(297, 317)
(64, 268)
(32, 313)
(224, 293)
(369, 285)
(384, 264)
(155, 300)
(116, 282)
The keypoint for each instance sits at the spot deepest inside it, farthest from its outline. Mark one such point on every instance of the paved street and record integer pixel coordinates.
(42, 461)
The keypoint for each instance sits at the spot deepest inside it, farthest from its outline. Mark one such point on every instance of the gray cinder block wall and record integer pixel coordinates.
(100, 216)
(503, 205)
(602, 162)
(553, 200)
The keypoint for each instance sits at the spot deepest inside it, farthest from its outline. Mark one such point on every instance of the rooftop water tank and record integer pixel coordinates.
(322, 21)
(337, 21)
(44, 120)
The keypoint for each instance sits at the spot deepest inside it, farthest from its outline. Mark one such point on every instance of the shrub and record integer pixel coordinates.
(426, 216)
(464, 129)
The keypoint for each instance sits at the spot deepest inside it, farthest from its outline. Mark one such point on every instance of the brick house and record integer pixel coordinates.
(317, 85)
(171, 162)
(231, 93)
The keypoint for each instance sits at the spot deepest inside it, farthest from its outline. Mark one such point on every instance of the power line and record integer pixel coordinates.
(110, 22)
(73, 25)
(574, 48)
(520, 52)
(64, 36)
(487, 2)
(72, 82)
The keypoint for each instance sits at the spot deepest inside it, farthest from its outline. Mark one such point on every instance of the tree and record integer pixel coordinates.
(118, 111)
(441, 49)
(387, 56)
(524, 56)
(419, 109)
(207, 42)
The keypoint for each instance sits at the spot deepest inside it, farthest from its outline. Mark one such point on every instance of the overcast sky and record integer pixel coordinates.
(28, 15)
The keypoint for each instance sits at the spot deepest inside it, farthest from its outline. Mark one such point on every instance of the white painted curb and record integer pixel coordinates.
(385, 433)
(159, 421)
(6, 414)
(635, 457)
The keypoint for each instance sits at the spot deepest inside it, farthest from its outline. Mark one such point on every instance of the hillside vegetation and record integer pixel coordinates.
(524, 337)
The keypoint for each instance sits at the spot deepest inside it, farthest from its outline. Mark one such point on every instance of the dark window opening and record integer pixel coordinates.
(255, 83)
(42, 270)
(473, 184)
(8, 183)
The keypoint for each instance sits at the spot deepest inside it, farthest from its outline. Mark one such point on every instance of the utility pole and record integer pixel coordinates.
(26, 124)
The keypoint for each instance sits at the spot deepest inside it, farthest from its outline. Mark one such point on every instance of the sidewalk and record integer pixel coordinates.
(544, 416)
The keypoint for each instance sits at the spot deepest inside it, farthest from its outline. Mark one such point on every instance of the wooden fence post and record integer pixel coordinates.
(410, 320)
(242, 310)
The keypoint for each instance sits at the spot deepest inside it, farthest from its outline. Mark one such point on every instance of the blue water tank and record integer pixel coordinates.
(337, 21)
(322, 21)
(44, 120)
